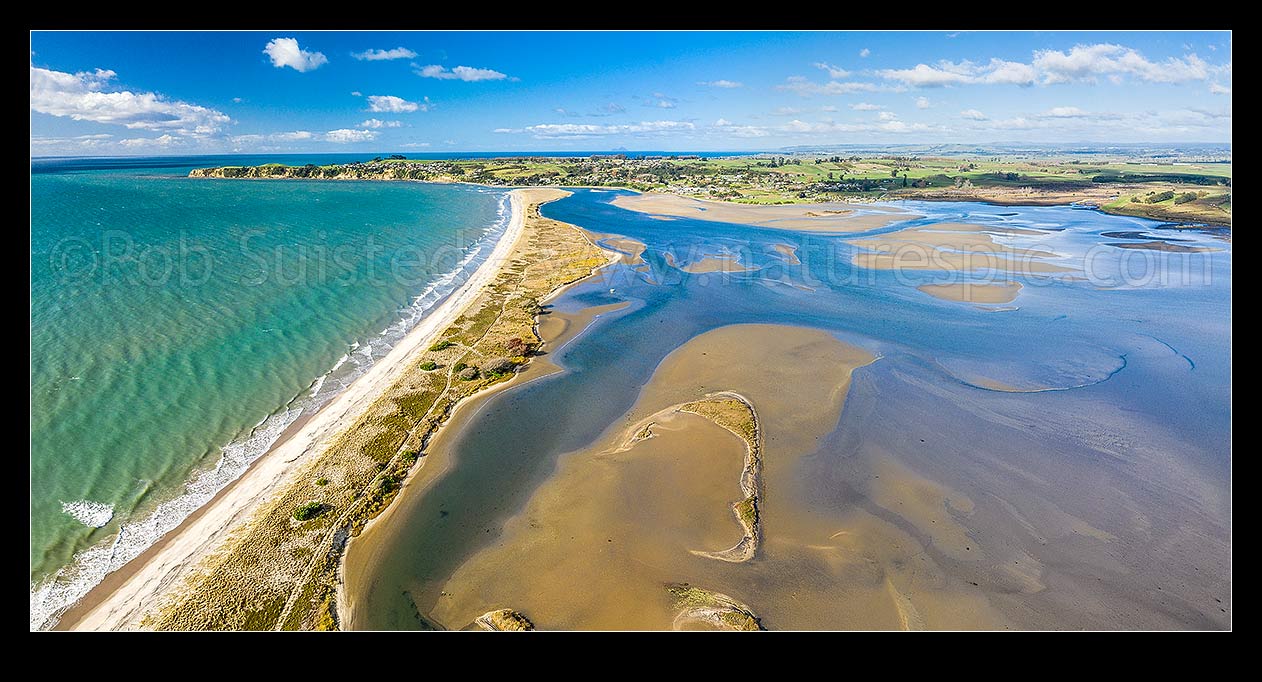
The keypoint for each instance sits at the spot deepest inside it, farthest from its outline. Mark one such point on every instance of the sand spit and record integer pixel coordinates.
(800, 217)
(734, 412)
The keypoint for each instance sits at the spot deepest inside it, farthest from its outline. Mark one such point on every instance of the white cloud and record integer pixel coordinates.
(973, 115)
(805, 87)
(349, 135)
(395, 105)
(925, 76)
(1081, 63)
(1000, 72)
(237, 100)
(1088, 62)
(586, 130)
(1064, 122)
(1216, 89)
(721, 83)
(729, 129)
(384, 55)
(415, 145)
(160, 141)
(865, 52)
(663, 101)
(78, 141)
(356, 93)
(786, 111)
(463, 73)
(285, 52)
(887, 116)
(922, 103)
(829, 107)
(82, 97)
(828, 127)
(378, 123)
(865, 106)
(1064, 112)
(833, 71)
(294, 136)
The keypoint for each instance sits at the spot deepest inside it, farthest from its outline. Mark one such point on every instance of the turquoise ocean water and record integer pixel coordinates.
(179, 325)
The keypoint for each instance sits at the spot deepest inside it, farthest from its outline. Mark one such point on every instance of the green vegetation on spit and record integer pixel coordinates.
(308, 511)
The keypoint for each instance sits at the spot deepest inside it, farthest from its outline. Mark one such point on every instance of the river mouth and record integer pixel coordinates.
(929, 463)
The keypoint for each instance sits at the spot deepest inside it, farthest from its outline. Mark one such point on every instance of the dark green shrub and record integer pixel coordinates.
(441, 345)
(429, 366)
(308, 511)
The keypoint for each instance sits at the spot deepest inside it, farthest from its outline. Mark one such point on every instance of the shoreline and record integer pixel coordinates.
(132, 591)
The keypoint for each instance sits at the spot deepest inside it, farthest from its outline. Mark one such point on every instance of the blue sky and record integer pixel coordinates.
(107, 93)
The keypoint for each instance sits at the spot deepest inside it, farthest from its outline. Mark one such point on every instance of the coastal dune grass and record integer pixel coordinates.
(279, 572)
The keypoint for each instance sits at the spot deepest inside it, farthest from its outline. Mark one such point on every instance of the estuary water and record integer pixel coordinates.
(179, 326)
(1059, 461)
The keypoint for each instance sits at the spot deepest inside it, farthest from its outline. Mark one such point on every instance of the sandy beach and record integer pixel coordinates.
(801, 217)
(146, 584)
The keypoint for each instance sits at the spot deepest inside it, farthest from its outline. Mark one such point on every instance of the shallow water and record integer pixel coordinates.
(179, 325)
(1060, 461)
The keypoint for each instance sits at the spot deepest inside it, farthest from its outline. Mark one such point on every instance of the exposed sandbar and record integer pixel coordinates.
(800, 217)
(971, 292)
(789, 252)
(1162, 245)
(949, 247)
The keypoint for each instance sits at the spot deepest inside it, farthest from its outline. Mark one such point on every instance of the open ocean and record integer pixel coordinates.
(178, 326)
